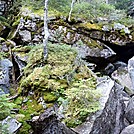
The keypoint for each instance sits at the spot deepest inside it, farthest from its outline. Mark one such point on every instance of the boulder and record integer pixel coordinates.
(131, 70)
(111, 120)
(98, 49)
(128, 130)
(5, 74)
(104, 87)
(48, 123)
(109, 69)
(129, 112)
(122, 77)
(25, 35)
(12, 124)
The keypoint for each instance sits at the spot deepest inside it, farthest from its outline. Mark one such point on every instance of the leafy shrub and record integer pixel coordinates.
(92, 10)
(106, 8)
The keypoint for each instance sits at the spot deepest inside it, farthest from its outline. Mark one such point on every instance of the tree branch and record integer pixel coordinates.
(45, 40)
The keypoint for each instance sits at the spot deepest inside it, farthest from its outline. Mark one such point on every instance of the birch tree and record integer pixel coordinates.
(71, 9)
(45, 40)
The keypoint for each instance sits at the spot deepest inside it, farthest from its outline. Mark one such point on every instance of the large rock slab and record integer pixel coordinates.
(128, 130)
(12, 125)
(111, 120)
(129, 112)
(104, 87)
(122, 77)
(131, 70)
(5, 74)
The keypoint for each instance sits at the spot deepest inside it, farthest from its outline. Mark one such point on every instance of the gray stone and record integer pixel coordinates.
(111, 119)
(13, 124)
(126, 30)
(118, 26)
(106, 28)
(5, 72)
(104, 87)
(131, 70)
(109, 69)
(120, 64)
(48, 123)
(129, 112)
(122, 77)
(86, 51)
(25, 35)
(128, 130)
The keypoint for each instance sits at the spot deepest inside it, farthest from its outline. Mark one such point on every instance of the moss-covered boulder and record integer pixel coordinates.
(52, 75)
(62, 75)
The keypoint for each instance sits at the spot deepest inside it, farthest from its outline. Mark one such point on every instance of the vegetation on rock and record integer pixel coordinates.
(63, 78)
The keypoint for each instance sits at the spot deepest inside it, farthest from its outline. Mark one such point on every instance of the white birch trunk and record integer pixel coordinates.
(71, 9)
(107, 1)
(45, 40)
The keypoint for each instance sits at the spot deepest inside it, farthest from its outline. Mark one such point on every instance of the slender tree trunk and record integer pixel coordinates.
(71, 9)
(107, 1)
(45, 40)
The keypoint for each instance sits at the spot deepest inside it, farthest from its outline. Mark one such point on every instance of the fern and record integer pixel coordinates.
(5, 106)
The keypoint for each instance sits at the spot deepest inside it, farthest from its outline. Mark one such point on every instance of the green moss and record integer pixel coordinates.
(59, 63)
(91, 43)
(50, 97)
(60, 76)
(4, 55)
(82, 101)
(26, 109)
(16, 22)
(89, 26)
(22, 49)
(2, 39)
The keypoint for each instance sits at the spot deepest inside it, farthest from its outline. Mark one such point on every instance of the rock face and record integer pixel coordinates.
(128, 130)
(120, 75)
(131, 70)
(13, 124)
(25, 35)
(104, 87)
(111, 119)
(48, 123)
(129, 112)
(5, 74)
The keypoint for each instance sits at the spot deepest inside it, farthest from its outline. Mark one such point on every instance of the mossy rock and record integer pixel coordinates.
(61, 75)
(26, 110)
(22, 49)
(89, 26)
(50, 97)
(59, 63)
(12, 34)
